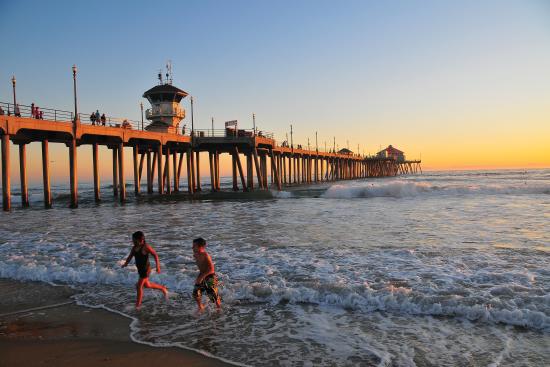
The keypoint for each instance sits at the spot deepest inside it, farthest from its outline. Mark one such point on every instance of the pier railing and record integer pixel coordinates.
(231, 133)
(43, 112)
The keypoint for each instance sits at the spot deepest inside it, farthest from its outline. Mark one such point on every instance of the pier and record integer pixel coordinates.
(159, 150)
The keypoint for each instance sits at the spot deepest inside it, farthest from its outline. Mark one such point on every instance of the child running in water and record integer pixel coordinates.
(206, 281)
(141, 251)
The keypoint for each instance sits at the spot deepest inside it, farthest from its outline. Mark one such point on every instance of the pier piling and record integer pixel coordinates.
(95, 159)
(6, 188)
(23, 174)
(46, 175)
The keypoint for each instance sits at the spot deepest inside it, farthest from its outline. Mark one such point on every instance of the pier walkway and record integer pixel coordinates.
(160, 156)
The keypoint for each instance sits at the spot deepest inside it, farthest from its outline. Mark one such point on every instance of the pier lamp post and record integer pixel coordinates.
(334, 144)
(74, 91)
(13, 81)
(212, 127)
(254, 122)
(141, 105)
(291, 140)
(192, 119)
(308, 143)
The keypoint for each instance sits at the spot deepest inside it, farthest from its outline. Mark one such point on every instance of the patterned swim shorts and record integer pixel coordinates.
(208, 285)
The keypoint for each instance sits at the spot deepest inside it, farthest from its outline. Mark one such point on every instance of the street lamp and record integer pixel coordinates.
(254, 122)
(13, 81)
(141, 105)
(291, 140)
(192, 119)
(74, 90)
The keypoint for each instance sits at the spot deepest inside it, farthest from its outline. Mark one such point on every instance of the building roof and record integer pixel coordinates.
(345, 151)
(390, 150)
(165, 88)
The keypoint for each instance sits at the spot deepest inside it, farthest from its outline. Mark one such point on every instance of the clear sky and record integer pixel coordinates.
(465, 84)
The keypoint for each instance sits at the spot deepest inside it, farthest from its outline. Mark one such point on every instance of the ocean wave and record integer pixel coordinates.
(400, 189)
(526, 310)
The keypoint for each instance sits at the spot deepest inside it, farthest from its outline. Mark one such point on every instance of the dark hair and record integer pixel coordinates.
(200, 241)
(138, 235)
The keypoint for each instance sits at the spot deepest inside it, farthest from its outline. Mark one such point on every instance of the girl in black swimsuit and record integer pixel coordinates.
(141, 251)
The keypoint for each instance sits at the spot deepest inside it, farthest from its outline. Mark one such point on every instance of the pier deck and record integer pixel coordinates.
(164, 154)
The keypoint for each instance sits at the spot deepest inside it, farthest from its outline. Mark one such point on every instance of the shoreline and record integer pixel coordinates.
(41, 325)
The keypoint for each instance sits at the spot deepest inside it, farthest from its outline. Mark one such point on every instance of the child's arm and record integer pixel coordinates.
(152, 252)
(128, 258)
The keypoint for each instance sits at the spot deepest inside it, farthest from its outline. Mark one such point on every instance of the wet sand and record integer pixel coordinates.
(33, 334)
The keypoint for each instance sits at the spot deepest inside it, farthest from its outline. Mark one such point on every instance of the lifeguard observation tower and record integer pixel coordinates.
(165, 113)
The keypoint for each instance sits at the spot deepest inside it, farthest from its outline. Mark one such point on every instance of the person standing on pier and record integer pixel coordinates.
(97, 116)
(206, 281)
(103, 120)
(141, 250)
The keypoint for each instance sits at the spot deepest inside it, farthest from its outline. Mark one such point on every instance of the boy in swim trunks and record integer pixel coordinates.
(206, 281)
(141, 250)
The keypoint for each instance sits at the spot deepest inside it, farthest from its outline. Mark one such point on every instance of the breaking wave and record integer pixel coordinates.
(400, 189)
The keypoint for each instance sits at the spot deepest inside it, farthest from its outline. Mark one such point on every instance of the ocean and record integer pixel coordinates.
(438, 269)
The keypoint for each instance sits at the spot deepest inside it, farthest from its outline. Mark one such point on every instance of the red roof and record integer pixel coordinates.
(391, 150)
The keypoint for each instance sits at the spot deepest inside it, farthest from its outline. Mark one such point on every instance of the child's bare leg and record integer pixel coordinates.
(199, 303)
(152, 285)
(139, 289)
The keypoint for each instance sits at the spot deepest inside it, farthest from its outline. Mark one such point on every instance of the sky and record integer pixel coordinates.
(460, 84)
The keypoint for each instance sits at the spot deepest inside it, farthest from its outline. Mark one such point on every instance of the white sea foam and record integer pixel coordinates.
(400, 189)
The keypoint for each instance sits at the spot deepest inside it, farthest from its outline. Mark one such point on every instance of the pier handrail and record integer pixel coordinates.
(47, 113)
(231, 133)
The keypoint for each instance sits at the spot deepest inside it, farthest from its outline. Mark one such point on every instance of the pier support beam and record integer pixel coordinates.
(212, 178)
(175, 170)
(23, 175)
(190, 186)
(6, 188)
(159, 170)
(198, 176)
(46, 175)
(259, 173)
(115, 172)
(249, 172)
(149, 174)
(217, 170)
(73, 173)
(135, 155)
(95, 164)
(167, 171)
(240, 167)
(234, 172)
(121, 181)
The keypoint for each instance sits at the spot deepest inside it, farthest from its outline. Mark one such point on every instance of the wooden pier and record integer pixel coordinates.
(160, 158)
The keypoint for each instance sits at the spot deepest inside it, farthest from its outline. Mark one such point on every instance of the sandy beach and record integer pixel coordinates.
(33, 334)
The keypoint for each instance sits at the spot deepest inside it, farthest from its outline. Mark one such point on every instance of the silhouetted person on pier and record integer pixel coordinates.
(141, 250)
(206, 281)
(97, 116)
(33, 111)
(41, 114)
(103, 120)
(17, 111)
(92, 118)
(1, 111)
